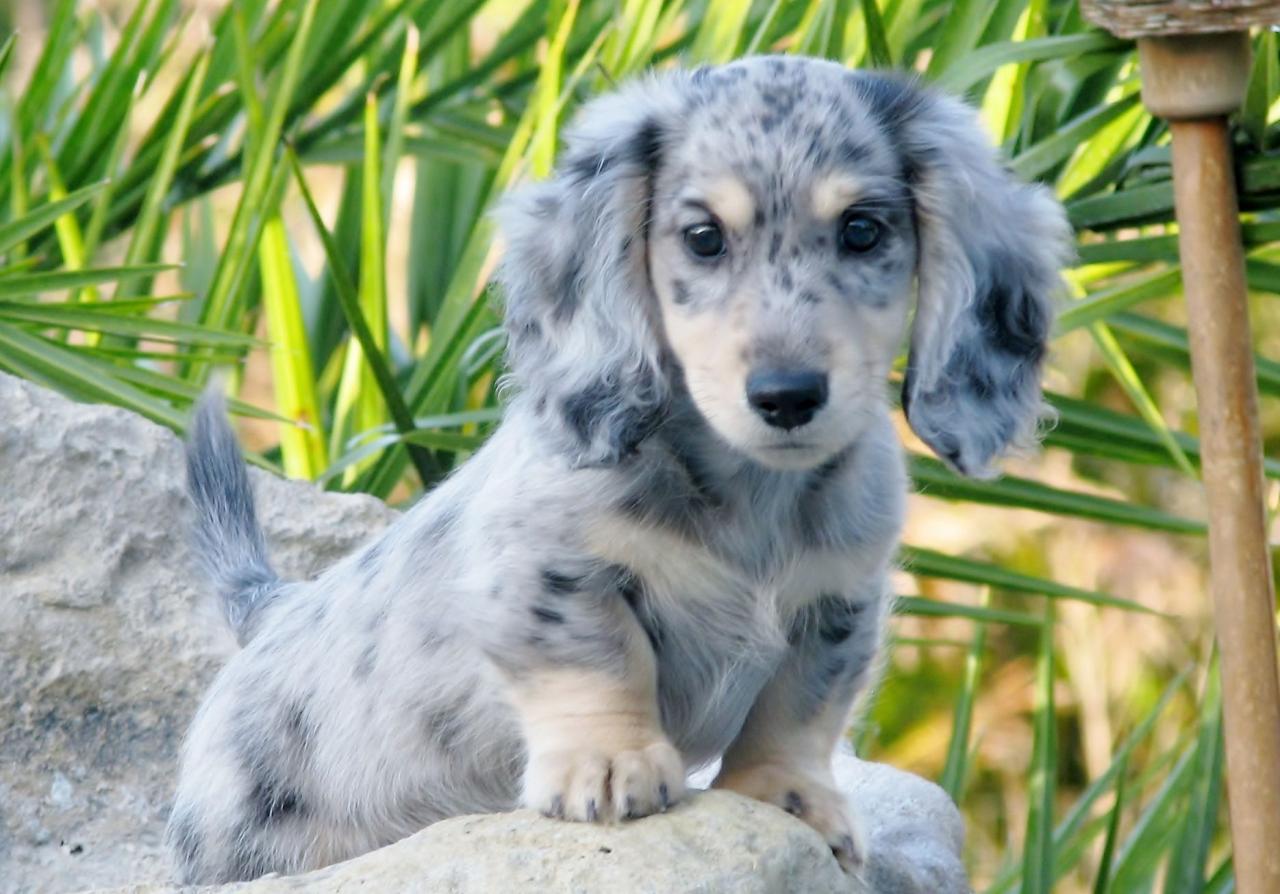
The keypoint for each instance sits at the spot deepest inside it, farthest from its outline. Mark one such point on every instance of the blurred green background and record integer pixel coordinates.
(321, 172)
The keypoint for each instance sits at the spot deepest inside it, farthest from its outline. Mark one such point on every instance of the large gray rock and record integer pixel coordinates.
(106, 645)
(716, 842)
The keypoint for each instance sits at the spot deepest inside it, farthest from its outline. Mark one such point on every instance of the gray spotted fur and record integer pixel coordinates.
(369, 702)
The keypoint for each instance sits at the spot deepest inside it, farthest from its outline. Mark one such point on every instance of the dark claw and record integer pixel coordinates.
(664, 797)
(556, 811)
(593, 813)
(794, 804)
(845, 846)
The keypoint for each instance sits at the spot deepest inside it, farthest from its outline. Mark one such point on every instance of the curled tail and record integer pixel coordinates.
(227, 539)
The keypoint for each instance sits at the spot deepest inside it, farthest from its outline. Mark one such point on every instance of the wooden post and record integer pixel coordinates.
(1194, 59)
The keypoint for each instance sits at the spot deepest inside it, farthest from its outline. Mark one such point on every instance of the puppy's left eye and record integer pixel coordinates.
(858, 232)
(705, 240)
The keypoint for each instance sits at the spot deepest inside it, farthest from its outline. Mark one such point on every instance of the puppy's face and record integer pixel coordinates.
(782, 250)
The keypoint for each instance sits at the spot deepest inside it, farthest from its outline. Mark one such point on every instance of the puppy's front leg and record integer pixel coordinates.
(783, 753)
(585, 688)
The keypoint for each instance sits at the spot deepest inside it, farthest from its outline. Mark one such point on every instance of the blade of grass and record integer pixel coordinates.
(70, 239)
(542, 149)
(1038, 851)
(930, 563)
(932, 608)
(220, 306)
(1102, 885)
(15, 231)
(983, 62)
(1188, 864)
(73, 316)
(1139, 857)
(1127, 377)
(146, 228)
(358, 406)
(1105, 302)
(396, 405)
(878, 53)
(101, 206)
(955, 770)
(61, 367)
(302, 445)
(720, 32)
(399, 113)
(934, 480)
(39, 283)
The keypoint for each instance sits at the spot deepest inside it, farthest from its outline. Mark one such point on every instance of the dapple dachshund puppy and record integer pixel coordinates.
(676, 546)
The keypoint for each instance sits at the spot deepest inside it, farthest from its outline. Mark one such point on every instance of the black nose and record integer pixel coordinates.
(786, 398)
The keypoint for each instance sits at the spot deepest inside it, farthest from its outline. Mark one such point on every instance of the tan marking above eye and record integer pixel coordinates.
(832, 195)
(731, 201)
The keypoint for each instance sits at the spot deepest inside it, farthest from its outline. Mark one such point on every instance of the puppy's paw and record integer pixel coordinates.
(814, 798)
(590, 785)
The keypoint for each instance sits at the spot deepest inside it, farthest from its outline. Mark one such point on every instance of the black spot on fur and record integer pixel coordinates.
(366, 661)
(560, 583)
(816, 152)
(569, 295)
(588, 407)
(439, 526)
(297, 727)
(968, 365)
(583, 409)
(631, 588)
(546, 206)
(893, 101)
(820, 477)
(443, 723)
(529, 330)
(588, 167)
(681, 292)
(272, 801)
(947, 446)
(854, 152)
(646, 147)
(837, 618)
(1013, 321)
(547, 615)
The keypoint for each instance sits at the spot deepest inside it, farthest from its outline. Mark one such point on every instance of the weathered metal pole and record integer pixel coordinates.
(1194, 73)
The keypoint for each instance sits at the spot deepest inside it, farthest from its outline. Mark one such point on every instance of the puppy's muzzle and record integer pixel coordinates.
(786, 398)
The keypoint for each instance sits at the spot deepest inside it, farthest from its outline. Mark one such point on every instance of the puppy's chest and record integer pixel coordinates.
(719, 628)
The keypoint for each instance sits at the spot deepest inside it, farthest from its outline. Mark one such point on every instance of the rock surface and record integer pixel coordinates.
(717, 842)
(106, 646)
(106, 641)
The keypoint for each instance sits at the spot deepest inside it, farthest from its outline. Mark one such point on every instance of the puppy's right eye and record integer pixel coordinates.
(705, 240)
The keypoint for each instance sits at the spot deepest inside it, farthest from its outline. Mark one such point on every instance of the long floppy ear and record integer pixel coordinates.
(581, 320)
(990, 251)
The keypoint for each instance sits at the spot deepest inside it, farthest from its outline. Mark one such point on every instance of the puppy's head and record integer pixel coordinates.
(754, 232)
